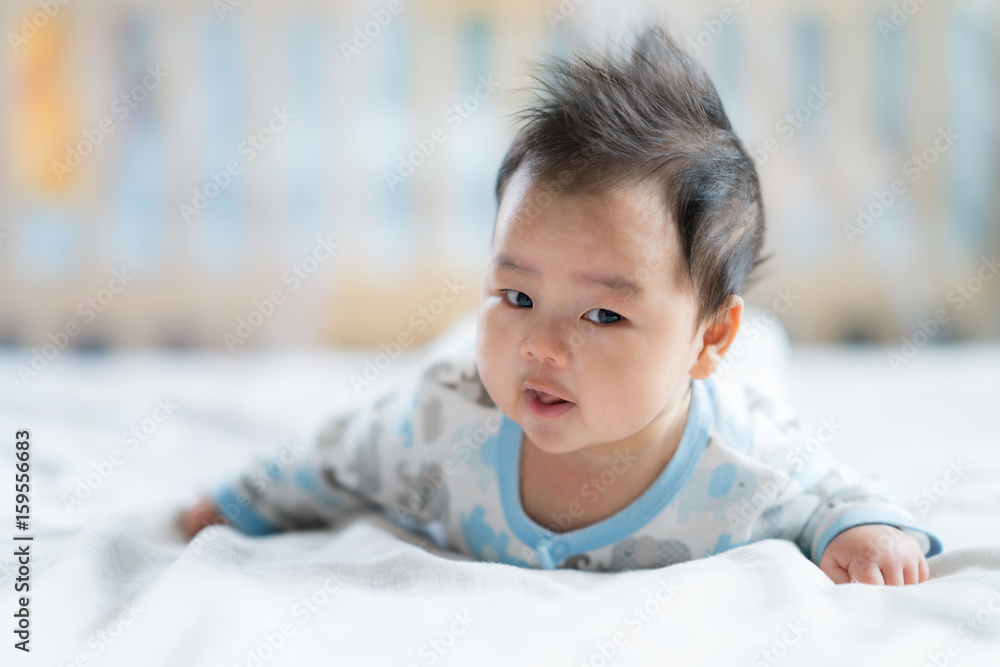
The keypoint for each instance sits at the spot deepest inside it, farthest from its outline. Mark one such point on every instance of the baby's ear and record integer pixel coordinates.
(716, 337)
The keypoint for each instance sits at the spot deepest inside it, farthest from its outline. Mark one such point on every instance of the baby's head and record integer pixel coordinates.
(629, 217)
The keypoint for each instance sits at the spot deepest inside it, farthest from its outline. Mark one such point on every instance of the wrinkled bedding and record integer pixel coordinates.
(113, 582)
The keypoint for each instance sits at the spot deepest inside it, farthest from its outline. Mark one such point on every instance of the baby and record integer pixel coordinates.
(581, 427)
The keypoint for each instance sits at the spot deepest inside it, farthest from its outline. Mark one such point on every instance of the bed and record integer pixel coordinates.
(122, 441)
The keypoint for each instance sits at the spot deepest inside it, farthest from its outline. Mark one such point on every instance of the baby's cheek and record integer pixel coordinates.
(615, 413)
(494, 384)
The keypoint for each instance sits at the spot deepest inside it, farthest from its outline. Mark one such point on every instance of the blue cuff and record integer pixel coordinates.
(870, 516)
(240, 514)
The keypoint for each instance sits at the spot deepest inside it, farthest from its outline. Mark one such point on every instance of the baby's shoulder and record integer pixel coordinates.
(454, 376)
(751, 421)
(446, 381)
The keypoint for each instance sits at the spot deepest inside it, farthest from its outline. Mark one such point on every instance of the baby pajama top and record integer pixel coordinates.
(436, 452)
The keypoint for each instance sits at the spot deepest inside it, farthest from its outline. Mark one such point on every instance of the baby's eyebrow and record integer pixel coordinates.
(624, 285)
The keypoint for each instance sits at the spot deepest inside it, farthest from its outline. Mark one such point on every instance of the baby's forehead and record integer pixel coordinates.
(623, 221)
(625, 224)
(637, 271)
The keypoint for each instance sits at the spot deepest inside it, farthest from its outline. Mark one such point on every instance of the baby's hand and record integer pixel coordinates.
(201, 515)
(874, 554)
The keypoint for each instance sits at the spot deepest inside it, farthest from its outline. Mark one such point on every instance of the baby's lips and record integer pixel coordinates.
(539, 392)
(546, 398)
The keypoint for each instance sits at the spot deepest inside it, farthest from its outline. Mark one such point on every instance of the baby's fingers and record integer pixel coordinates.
(865, 572)
(893, 574)
(199, 516)
(837, 574)
(917, 571)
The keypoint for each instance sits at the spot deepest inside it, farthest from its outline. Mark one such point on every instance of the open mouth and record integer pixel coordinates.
(547, 399)
(546, 405)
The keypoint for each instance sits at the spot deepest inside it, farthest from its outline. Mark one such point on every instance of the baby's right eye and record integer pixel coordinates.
(508, 292)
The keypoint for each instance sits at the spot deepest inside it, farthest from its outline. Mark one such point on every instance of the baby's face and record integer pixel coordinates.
(620, 357)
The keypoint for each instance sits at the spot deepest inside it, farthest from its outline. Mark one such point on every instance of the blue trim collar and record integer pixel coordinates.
(553, 547)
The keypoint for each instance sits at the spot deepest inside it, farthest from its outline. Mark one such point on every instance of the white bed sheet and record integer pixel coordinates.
(116, 565)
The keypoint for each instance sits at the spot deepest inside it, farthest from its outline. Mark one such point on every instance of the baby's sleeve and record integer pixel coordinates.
(349, 466)
(840, 498)
(803, 493)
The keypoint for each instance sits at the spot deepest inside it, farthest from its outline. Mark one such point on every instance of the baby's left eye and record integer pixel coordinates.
(607, 313)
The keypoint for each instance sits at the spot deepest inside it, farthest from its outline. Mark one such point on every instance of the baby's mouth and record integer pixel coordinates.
(547, 399)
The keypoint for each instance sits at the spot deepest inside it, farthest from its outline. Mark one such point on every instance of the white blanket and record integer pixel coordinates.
(113, 583)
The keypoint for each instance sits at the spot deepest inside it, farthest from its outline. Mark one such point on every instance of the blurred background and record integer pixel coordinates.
(233, 174)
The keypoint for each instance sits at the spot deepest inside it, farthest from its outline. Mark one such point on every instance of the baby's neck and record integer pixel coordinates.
(574, 490)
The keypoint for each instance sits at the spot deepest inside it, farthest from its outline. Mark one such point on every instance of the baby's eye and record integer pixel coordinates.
(518, 302)
(507, 294)
(607, 313)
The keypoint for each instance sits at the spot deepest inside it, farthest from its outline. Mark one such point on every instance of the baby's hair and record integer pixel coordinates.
(648, 115)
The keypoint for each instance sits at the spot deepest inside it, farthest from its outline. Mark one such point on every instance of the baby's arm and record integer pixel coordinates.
(311, 486)
(843, 522)
(855, 532)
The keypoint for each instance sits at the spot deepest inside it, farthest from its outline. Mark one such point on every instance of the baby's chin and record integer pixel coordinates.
(550, 446)
(551, 439)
